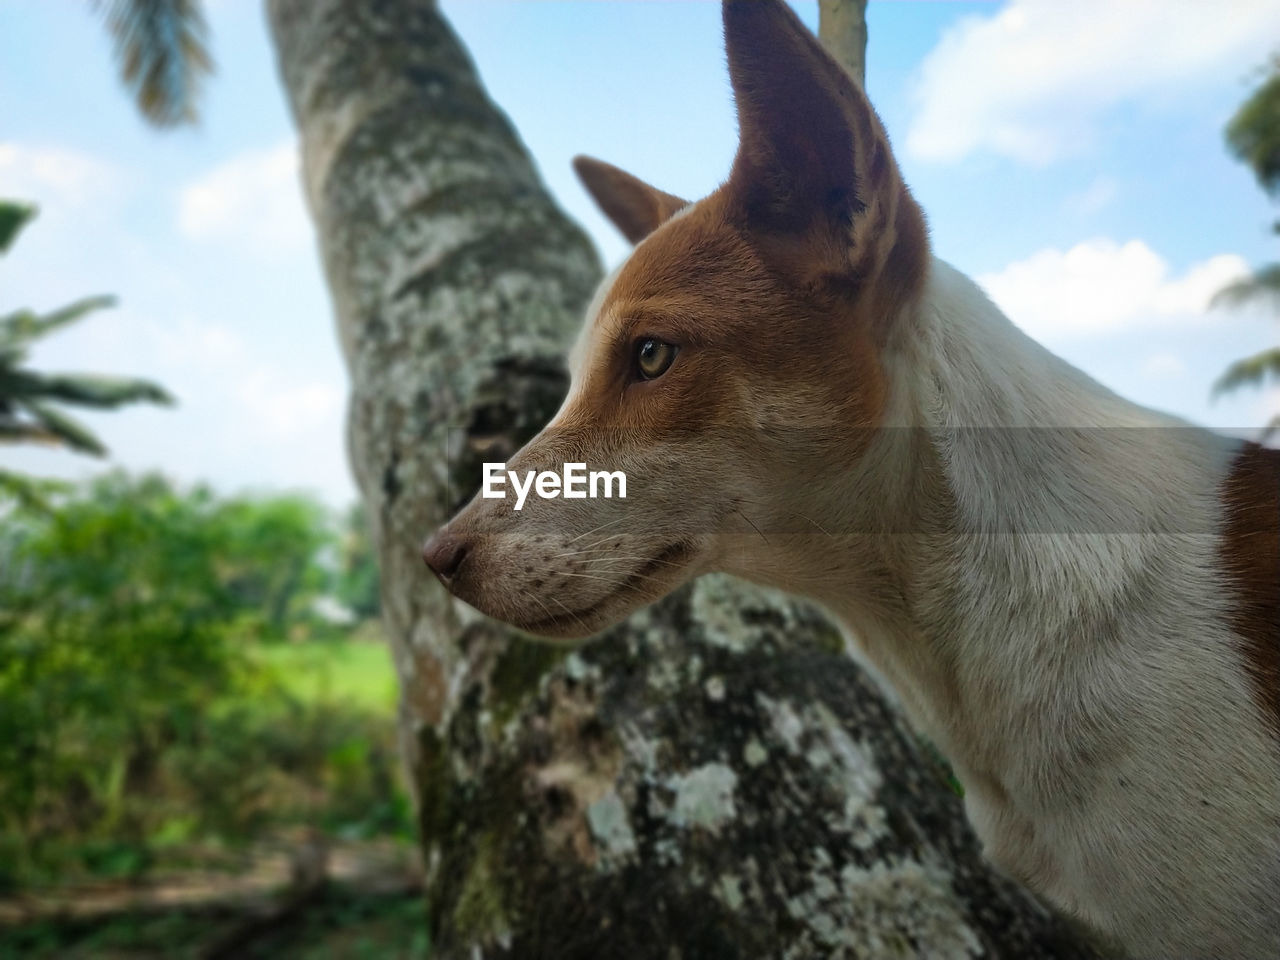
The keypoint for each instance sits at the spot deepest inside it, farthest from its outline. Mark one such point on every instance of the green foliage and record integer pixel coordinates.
(1260, 287)
(162, 51)
(112, 642)
(271, 563)
(138, 713)
(29, 493)
(1253, 133)
(13, 217)
(1250, 371)
(28, 399)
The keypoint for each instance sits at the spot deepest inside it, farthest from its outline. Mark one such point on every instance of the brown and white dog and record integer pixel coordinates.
(1078, 599)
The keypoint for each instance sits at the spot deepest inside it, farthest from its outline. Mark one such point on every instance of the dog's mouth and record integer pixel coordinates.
(580, 622)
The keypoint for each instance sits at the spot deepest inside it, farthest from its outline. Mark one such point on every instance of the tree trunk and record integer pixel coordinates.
(842, 28)
(713, 778)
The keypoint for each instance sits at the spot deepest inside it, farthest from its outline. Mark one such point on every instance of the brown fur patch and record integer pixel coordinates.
(743, 328)
(1250, 553)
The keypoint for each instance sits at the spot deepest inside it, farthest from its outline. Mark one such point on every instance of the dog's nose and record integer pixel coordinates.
(444, 554)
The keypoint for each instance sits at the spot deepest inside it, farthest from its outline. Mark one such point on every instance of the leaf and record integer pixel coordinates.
(64, 429)
(13, 217)
(1251, 370)
(86, 390)
(24, 326)
(1262, 285)
(13, 430)
(162, 53)
(10, 357)
(1253, 133)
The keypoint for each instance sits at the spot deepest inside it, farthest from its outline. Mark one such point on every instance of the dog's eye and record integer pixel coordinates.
(654, 357)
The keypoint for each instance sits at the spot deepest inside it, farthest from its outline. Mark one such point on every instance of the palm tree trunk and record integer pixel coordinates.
(713, 778)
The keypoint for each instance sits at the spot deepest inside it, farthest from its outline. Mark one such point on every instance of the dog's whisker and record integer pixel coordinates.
(585, 551)
(637, 557)
(545, 608)
(575, 616)
(589, 576)
(598, 529)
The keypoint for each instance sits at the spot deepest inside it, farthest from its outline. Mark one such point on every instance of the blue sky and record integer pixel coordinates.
(1069, 156)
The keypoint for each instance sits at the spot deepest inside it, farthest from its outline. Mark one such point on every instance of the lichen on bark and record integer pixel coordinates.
(712, 778)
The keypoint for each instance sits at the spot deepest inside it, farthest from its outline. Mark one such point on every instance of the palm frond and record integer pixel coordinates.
(21, 328)
(1262, 285)
(13, 217)
(1249, 371)
(26, 411)
(1253, 133)
(15, 430)
(53, 426)
(86, 390)
(162, 52)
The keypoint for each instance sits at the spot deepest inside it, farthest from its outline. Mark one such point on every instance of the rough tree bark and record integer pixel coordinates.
(714, 778)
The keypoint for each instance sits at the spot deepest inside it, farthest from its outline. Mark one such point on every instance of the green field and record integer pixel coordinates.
(353, 672)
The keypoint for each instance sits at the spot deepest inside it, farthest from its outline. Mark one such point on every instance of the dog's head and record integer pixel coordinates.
(730, 368)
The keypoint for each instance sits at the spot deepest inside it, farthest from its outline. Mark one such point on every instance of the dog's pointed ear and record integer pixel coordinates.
(813, 159)
(805, 130)
(635, 208)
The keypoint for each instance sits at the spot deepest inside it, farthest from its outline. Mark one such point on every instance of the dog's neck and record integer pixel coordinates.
(983, 524)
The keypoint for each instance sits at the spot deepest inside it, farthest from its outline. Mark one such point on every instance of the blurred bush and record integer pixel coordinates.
(142, 709)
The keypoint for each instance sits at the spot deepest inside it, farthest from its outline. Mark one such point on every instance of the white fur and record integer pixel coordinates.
(1086, 686)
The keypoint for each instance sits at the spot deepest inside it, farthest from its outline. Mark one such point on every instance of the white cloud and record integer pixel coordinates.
(55, 178)
(1100, 286)
(1027, 80)
(254, 199)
